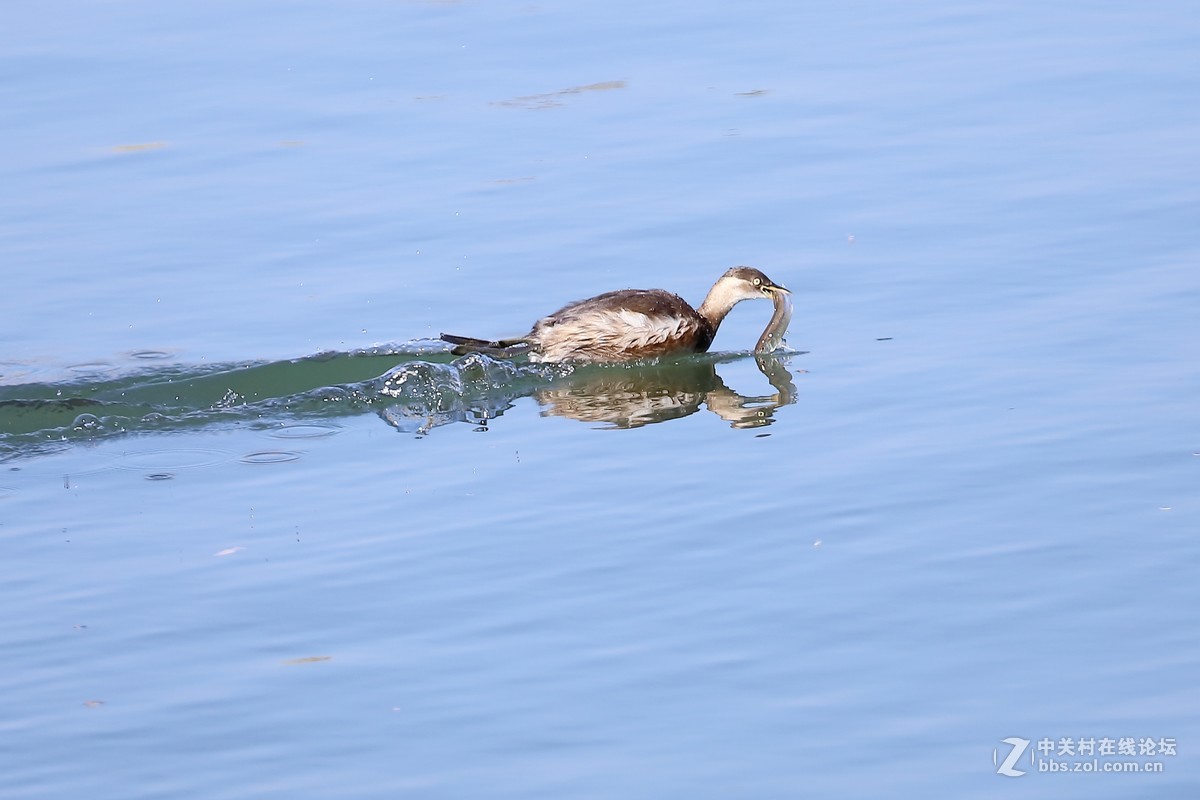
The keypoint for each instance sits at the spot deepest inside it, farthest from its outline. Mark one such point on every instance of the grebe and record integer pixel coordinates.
(639, 323)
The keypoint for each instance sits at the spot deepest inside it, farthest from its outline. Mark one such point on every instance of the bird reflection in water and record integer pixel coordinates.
(631, 398)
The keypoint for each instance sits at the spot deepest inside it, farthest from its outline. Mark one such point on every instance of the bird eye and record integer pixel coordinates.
(758, 281)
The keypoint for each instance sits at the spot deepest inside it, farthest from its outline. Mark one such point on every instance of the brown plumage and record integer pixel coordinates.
(630, 323)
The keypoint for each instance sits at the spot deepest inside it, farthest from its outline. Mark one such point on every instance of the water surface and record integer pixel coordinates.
(264, 538)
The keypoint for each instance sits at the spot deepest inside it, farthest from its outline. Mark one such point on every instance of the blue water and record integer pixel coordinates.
(244, 559)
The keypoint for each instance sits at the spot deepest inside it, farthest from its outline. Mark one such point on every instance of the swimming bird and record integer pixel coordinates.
(638, 323)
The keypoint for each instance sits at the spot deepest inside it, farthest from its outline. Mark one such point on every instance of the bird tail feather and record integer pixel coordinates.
(501, 348)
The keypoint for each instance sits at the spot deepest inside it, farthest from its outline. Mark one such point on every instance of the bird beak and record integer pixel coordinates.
(774, 287)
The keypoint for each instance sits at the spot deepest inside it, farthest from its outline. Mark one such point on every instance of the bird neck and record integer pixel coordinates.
(717, 305)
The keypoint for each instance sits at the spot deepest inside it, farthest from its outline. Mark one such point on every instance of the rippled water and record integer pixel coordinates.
(263, 536)
(415, 395)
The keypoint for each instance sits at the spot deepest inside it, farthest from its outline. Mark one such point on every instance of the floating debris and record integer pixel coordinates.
(140, 147)
(555, 99)
(307, 659)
